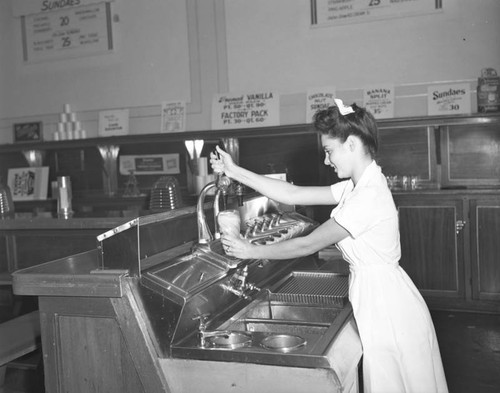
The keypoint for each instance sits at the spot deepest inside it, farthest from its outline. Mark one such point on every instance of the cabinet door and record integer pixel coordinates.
(432, 251)
(470, 155)
(485, 248)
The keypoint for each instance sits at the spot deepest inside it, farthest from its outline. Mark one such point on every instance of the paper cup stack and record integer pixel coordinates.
(68, 127)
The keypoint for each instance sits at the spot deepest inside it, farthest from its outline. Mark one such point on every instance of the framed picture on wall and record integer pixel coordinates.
(28, 132)
(28, 183)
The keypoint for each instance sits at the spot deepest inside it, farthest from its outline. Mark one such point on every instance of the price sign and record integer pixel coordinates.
(173, 116)
(318, 99)
(71, 32)
(379, 100)
(449, 99)
(245, 110)
(337, 12)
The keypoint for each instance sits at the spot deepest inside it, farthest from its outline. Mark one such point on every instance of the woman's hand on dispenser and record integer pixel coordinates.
(221, 161)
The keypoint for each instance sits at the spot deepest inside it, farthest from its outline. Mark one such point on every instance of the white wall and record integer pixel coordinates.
(270, 44)
(192, 49)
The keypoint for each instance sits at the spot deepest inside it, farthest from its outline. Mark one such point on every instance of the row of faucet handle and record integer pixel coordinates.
(262, 224)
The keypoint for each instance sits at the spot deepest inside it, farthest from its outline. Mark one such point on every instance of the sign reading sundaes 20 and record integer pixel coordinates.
(448, 99)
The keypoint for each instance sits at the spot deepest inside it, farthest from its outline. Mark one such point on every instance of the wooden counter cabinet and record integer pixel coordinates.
(450, 247)
(485, 248)
(432, 250)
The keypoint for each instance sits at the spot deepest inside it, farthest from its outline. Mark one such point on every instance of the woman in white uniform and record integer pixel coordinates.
(400, 349)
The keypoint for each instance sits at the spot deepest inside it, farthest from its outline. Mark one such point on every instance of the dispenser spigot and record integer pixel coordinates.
(239, 193)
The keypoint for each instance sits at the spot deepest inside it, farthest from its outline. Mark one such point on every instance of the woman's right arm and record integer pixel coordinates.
(278, 190)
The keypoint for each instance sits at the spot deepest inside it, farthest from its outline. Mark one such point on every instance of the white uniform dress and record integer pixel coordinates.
(400, 349)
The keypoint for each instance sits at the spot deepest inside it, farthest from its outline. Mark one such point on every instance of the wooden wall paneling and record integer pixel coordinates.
(485, 248)
(432, 253)
(297, 154)
(94, 356)
(408, 151)
(52, 306)
(470, 155)
(137, 331)
(91, 344)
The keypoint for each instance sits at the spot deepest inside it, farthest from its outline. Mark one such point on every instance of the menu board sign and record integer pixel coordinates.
(379, 101)
(150, 164)
(338, 12)
(448, 99)
(173, 116)
(114, 122)
(67, 32)
(318, 99)
(245, 110)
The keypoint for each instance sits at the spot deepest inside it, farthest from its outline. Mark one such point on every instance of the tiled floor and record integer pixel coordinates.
(470, 349)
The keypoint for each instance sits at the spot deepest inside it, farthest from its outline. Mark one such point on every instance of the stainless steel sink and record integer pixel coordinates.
(283, 342)
(231, 340)
(278, 327)
(271, 310)
(294, 322)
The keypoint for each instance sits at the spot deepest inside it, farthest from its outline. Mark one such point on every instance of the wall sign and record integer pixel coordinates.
(379, 101)
(113, 122)
(59, 33)
(318, 99)
(152, 164)
(260, 109)
(28, 183)
(448, 99)
(338, 12)
(28, 132)
(173, 116)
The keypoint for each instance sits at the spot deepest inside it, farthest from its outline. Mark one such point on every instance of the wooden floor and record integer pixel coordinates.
(469, 344)
(470, 349)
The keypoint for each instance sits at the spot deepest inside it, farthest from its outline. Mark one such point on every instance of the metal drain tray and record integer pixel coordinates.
(312, 288)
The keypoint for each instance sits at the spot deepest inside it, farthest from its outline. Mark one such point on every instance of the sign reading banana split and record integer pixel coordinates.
(449, 99)
(379, 100)
(245, 110)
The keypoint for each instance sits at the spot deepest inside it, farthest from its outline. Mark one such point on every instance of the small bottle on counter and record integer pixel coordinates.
(64, 196)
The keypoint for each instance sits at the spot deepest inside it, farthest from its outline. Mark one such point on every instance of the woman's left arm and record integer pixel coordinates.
(330, 232)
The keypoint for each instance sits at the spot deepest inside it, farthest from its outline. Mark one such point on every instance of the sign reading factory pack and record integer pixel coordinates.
(338, 12)
(449, 99)
(61, 32)
(245, 110)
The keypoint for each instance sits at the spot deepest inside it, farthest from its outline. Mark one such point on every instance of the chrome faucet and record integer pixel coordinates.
(238, 283)
(222, 184)
(203, 334)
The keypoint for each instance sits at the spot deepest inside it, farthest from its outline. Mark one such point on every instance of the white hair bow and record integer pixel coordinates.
(344, 110)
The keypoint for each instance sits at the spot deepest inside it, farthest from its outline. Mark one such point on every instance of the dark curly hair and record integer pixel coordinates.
(361, 123)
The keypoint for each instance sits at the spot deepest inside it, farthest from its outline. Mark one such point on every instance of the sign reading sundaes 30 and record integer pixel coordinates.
(448, 99)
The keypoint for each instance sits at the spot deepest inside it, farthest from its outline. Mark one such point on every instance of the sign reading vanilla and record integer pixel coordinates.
(245, 110)
(379, 100)
(448, 99)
